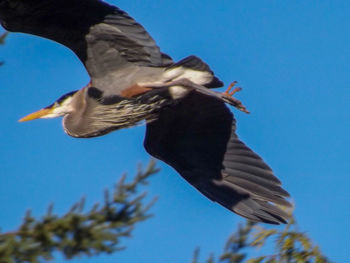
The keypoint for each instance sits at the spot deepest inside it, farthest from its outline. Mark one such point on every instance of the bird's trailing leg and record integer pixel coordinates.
(229, 92)
(226, 96)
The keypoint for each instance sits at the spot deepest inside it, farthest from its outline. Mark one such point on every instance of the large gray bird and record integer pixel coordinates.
(188, 124)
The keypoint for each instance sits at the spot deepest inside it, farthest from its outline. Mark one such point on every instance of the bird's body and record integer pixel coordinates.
(144, 93)
(188, 124)
(117, 114)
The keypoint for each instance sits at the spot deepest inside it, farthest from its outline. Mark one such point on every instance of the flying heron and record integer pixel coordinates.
(188, 125)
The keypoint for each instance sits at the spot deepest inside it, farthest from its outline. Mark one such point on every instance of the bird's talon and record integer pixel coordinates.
(228, 90)
(234, 91)
(229, 93)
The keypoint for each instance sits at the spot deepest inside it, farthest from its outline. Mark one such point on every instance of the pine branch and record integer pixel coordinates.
(77, 233)
(291, 246)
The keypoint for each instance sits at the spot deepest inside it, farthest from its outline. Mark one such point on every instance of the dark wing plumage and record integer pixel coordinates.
(102, 36)
(197, 137)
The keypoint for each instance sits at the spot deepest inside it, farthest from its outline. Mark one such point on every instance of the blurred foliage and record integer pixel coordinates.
(290, 246)
(2, 41)
(80, 233)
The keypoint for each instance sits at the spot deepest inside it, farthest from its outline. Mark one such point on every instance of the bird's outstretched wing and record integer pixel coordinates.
(104, 37)
(197, 137)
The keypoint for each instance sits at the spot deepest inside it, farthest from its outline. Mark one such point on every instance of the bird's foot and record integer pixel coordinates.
(228, 94)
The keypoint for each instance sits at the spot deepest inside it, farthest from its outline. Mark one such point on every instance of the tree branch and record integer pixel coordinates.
(99, 230)
(291, 246)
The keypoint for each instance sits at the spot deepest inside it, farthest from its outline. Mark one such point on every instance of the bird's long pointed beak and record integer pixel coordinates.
(38, 114)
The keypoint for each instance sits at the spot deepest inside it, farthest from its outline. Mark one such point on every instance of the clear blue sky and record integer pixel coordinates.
(292, 59)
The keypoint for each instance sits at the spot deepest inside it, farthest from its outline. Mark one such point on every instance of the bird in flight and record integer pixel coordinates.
(188, 124)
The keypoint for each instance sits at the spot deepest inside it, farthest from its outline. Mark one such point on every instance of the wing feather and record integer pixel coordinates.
(104, 37)
(197, 137)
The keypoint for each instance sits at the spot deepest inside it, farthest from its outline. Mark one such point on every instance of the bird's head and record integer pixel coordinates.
(60, 107)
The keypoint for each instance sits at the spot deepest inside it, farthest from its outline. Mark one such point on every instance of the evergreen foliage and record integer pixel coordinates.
(99, 230)
(290, 246)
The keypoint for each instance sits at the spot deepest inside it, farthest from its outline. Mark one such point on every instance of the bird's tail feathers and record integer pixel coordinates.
(197, 71)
